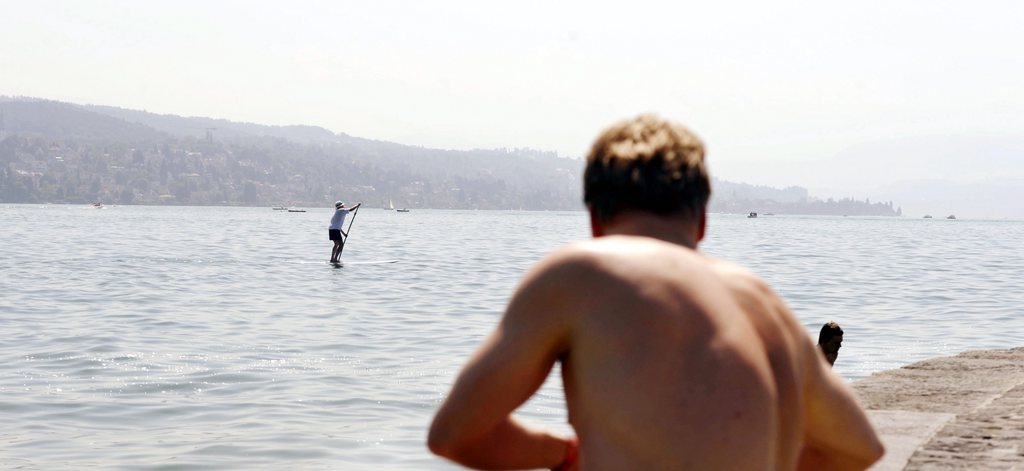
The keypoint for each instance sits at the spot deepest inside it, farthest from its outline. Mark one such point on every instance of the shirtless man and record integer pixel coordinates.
(830, 340)
(670, 359)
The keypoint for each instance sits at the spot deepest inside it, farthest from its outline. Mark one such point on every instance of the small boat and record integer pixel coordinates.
(403, 210)
(927, 216)
(97, 205)
(752, 215)
(951, 217)
(391, 206)
(296, 210)
(280, 208)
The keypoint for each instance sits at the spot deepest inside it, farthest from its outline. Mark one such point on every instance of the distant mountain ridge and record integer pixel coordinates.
(58, 120)
(224, 129)
(64, 153)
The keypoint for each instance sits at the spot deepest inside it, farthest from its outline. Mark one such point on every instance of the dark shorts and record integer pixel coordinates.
(334, 234)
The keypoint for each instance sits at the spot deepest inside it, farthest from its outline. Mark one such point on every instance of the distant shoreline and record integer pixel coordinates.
(329, 205)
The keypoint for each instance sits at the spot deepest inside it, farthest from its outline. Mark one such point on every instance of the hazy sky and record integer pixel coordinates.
(842, 98)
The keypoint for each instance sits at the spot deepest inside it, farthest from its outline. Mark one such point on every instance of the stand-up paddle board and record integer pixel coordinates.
(360, 262)
(363, 262)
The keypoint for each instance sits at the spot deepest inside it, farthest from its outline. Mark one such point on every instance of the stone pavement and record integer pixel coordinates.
(961, 412)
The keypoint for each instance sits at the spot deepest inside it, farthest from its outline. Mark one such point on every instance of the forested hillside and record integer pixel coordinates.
(57, 152)
(64, 153)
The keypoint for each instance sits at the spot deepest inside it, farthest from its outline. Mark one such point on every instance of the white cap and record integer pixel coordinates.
(338, 204)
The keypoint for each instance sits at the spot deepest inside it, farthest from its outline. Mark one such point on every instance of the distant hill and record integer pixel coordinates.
(223, 129)
(55, 120)
(65, 153)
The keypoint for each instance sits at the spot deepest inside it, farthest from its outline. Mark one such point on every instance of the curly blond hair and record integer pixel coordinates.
(646, 164)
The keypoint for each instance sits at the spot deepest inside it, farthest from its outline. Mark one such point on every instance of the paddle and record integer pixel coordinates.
(349, 231)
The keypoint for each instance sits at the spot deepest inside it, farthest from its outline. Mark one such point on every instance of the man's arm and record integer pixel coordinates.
(350, 210)
(837, 434)
(474, 425)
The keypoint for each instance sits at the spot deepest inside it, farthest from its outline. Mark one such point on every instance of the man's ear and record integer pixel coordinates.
(702, 225)
(596, 228)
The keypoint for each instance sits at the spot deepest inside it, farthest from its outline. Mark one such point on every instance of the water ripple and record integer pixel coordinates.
(218, 338)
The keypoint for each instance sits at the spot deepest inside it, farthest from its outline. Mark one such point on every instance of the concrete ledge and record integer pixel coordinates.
(959, 412)
(903, 432)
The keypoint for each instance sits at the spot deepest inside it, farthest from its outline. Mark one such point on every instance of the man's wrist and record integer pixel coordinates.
(572, 451)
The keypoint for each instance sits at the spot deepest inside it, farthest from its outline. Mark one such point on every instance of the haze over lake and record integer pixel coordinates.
(881, 100)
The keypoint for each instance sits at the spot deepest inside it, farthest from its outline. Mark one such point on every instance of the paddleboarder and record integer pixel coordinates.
(334, 231)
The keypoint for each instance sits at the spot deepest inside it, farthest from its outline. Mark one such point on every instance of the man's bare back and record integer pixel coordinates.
(670, 359)
(664, 370)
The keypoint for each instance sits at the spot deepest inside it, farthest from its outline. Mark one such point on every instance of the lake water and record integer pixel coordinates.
(219, 338)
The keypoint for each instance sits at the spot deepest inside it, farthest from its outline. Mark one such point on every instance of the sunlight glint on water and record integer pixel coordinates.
(218, 338)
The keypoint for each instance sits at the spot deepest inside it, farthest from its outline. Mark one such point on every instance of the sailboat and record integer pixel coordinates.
(391, 206)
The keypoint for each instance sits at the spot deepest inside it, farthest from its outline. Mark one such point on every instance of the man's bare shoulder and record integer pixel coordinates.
(605, 261)
(611, 256)
(588, 254)
(754, 293)
(737, 276)
(560, 288)
(574, 263)
(571, 259)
